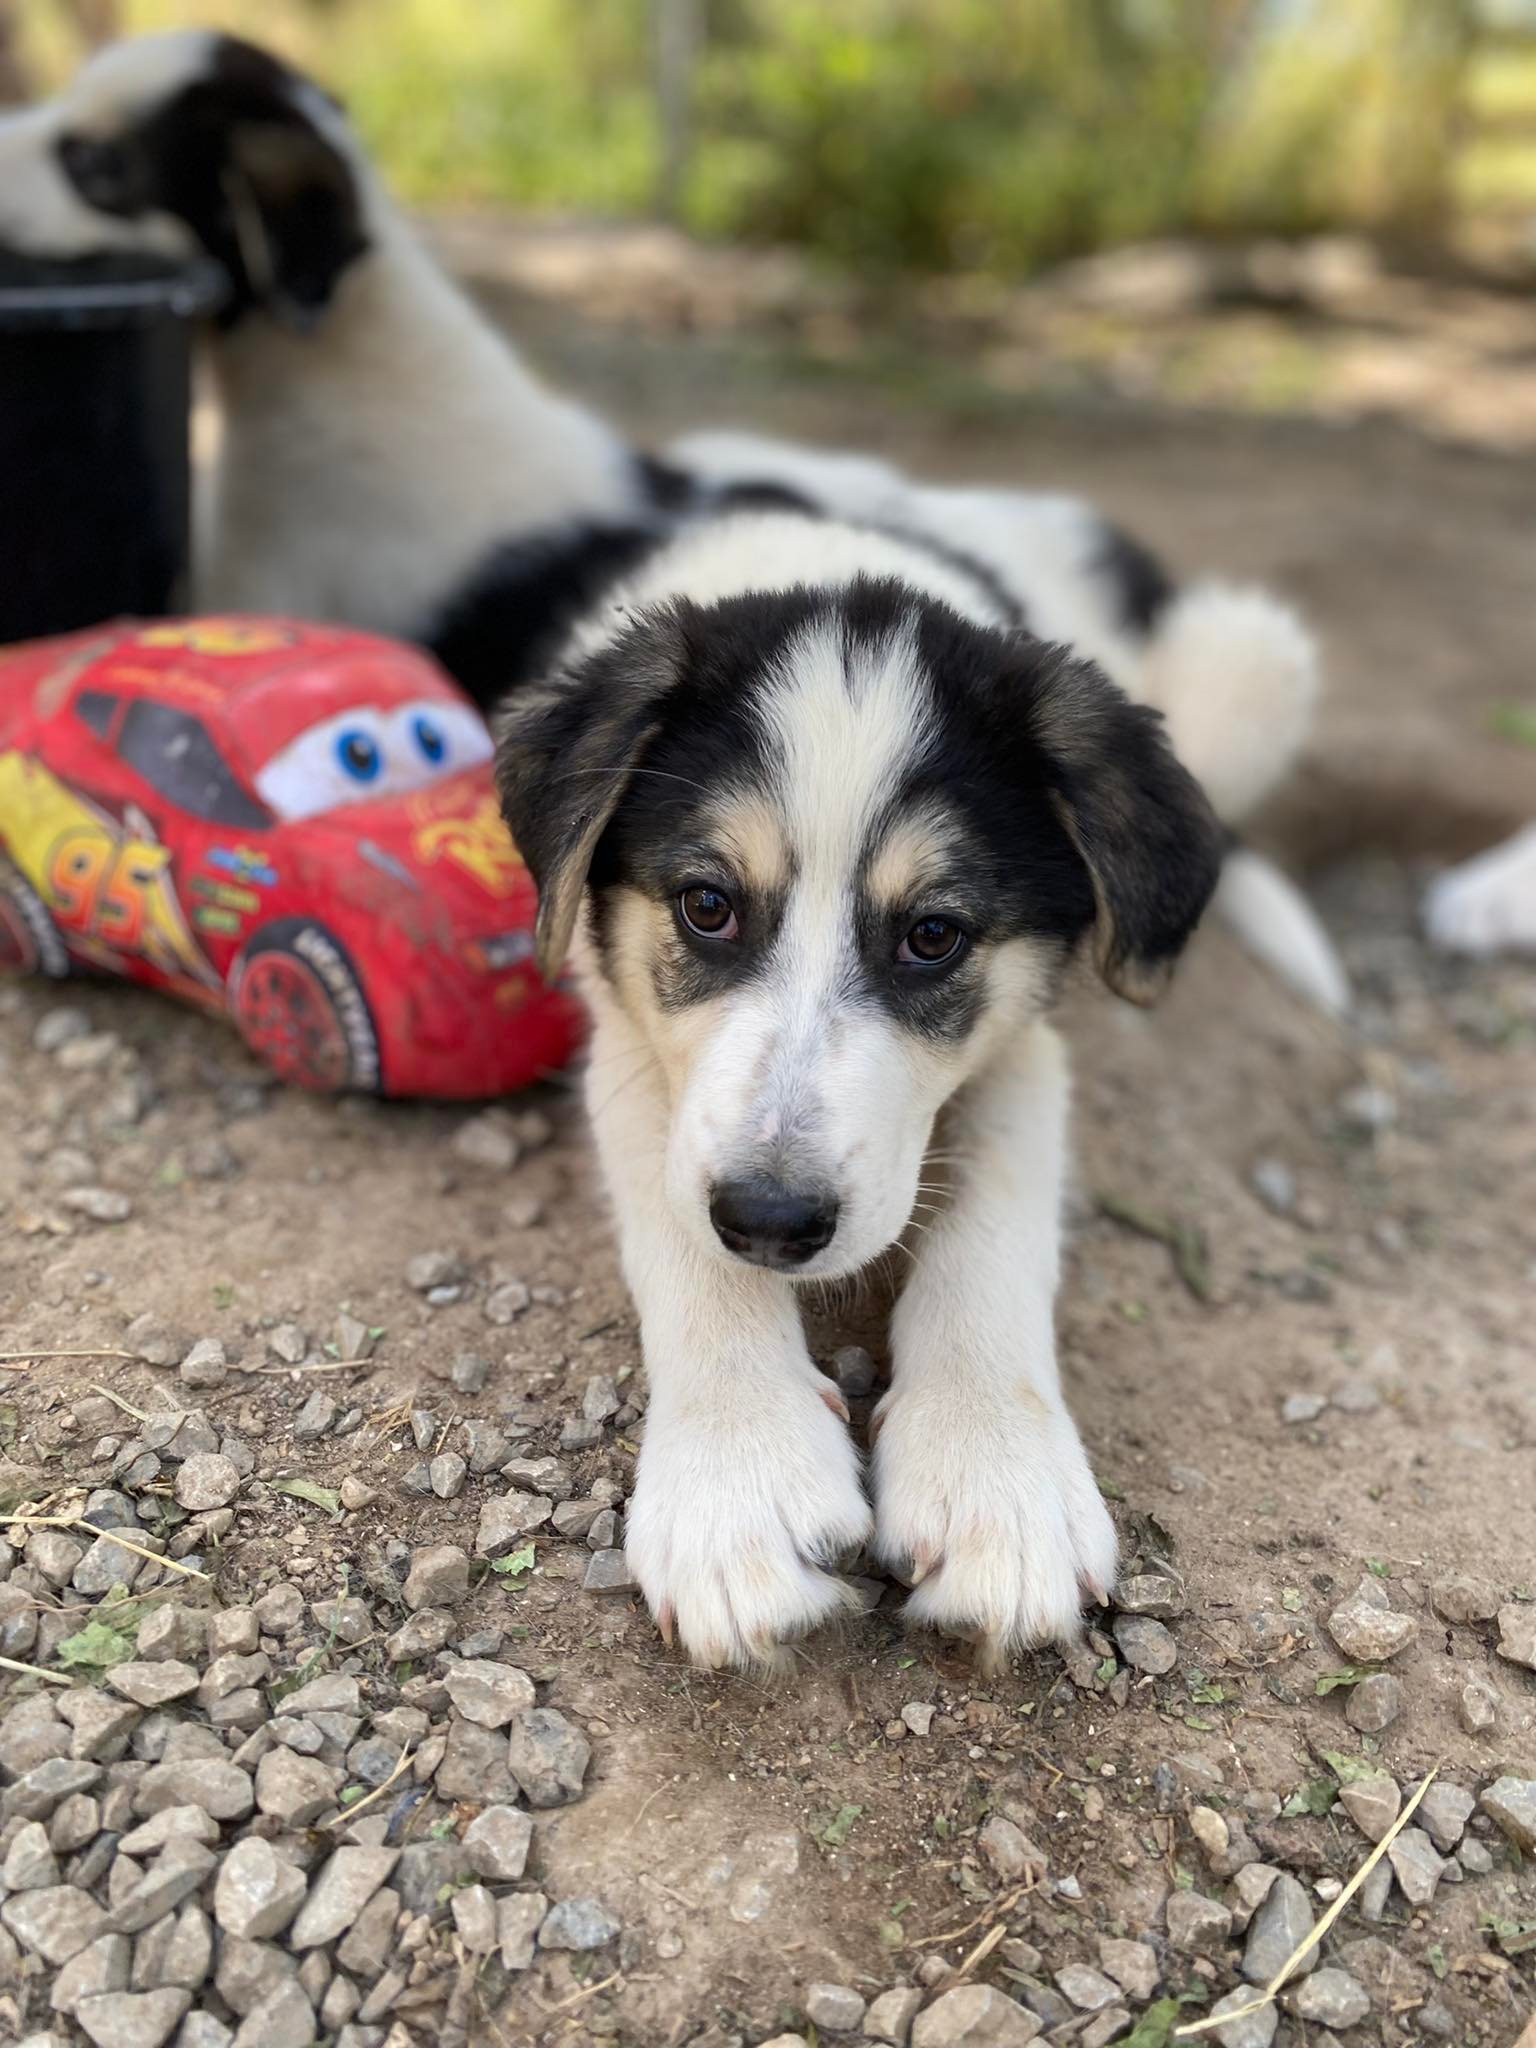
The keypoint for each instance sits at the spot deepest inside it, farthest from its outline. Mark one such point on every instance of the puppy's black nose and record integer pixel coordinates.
(771, 1225)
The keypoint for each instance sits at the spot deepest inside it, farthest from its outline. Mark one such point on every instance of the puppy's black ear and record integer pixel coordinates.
(565, 753)
(296, 218)
(1141, 823)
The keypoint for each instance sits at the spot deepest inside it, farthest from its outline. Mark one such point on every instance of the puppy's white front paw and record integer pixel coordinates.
(994, 1516)
(736, 1516)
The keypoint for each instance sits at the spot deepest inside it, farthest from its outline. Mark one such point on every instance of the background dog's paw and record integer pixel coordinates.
(996, 1522)
(737, 1523)
(1487, 906)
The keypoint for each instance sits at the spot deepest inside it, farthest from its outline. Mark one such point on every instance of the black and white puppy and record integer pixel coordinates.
(825, 825)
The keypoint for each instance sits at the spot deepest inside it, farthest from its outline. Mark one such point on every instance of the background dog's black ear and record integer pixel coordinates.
(565, 753)
(297, 221)
(1141, 823)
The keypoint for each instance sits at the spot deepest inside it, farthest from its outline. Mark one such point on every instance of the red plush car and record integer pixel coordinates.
(293, 823)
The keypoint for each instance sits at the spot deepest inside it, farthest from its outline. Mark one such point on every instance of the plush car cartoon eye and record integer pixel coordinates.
(368, 752)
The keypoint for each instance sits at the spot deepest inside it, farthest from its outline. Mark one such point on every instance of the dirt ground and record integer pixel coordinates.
(754, 1841)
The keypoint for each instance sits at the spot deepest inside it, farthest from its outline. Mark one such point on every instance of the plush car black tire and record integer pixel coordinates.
(301, 1007)
(30, 941)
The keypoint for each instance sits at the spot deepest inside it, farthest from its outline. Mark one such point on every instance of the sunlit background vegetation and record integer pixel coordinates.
(995, 135)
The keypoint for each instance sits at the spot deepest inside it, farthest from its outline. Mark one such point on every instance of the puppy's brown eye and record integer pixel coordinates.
(708, 913)
(930, 941)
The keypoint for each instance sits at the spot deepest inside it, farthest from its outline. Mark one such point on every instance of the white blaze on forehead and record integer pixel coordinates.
(127, 80)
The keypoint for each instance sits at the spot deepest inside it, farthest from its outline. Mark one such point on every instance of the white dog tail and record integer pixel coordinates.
(1235, 674)
(1271, 917)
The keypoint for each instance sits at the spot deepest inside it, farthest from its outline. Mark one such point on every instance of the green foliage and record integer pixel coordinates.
(993, 135)
(94, 1648)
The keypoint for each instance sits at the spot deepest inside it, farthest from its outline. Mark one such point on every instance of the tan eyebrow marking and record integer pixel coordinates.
(918, 850)
(751, 836)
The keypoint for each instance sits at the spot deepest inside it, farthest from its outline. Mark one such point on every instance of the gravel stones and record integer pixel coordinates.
(177, 1872)
(1372, 1804)
(143, 2019)
(1511, 1804)
(206, 1480)
(1009, 1851)
(1086, 1988)
(974, 2016)
(1444, 1812)
(834, 2008)
(1145, 1644)
(1464, 1599)
(496, 1844)
(1133, 1965)
(295, 1790)
(518, 1920)
(1517, 1636)
(507, 1522)
(1153, 1593)
(1365, 1627)
(315, 1419)
(438, 1577)
(1416, 1865)
(609, 1572)
(1331, 1997)
(284, 2018)
(474, 1766)
(490, 1695)
(257, 1892)
(474, 1919)
(577, 1924)
(1375, 1703)
(55, 1922)
(1197, 1925)
(1478, 1707)
(341, 1891)
(1253, 2030)
(1278, 1928)
(429, 1270)
(221, 1790)
(445, 1475)
(205, 1365)
(153, 1684)
(547, 1756)
(30, 1864)
(890, 2016)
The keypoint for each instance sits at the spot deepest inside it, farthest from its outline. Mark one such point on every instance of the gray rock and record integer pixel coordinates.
(283, 2019)
(1145, 1644)
(172, 1634)
(343, 1616)
(205, 1365)
(1511, 1803)
(295, 1789)
(101, 1205)
(257, 1892)
(1297, 1408)
(1372, 1804)
(1158, 1594)
(1009, 1851)
(488, 1140)
(32, 1731)
(506, 1303)
(315, 1419)
(1106, 2027)
(177, 1950)
(1197, 1925)
(45, 1786)
(101, 1967)
(248, 1971)
(518, 1920)
(288, 1344)
(365, 1950)
(574, 1518)
(1479, 1707)
(488, 1694)
(834, 2008)
(1464, 1599)
(280, 1609)
(177, 1872)
(470, 1372)
(63, 1024)
(169, 1822)
(890, 2016)
(206, 1480)
(446, 1475)
(155, 1684)
(107, 1564)
(547, 1756)
(1365, 1627)
(232, 1673)
(475, 1766)
(1416, 1866)
(1444, 1812)
(507, 1522)
(434, 1269)
(577, 1434)
(604, 1533)
(102, 1726)
(600, 1398)
(334, 1693)
(1088, 1989)
(1330, 1997)
(30, 1863)
(1278, 1928)
(474, 1919)
(488, 1447)
(220, 1789)
(496, 1844)
(438, 1577)
(423, 1635)
(1375, 1703)
(55, 1554)
(341, 1891)
(1253, 2030)
(578, 1924)
(609, 1572)
(974, 2016)
(56, 1923)
(1517, 1636)
(134, 2019)
(76, 1822)
(1132, 1964)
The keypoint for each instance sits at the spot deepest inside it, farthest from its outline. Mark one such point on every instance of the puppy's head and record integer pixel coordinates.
(837, 844)
(171, 145)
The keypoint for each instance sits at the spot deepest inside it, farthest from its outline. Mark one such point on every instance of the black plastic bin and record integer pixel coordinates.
(95, 410)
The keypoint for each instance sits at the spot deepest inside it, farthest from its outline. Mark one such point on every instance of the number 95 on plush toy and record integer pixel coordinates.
(295, 825)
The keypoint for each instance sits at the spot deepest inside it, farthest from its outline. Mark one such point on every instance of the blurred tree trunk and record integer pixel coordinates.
(13, 75)
(679, 33)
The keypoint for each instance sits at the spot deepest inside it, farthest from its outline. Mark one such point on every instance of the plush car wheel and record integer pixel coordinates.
(29, 938)
(301, 1007)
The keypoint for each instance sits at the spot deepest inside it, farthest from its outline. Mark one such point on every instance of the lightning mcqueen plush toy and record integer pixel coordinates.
(291, 823)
